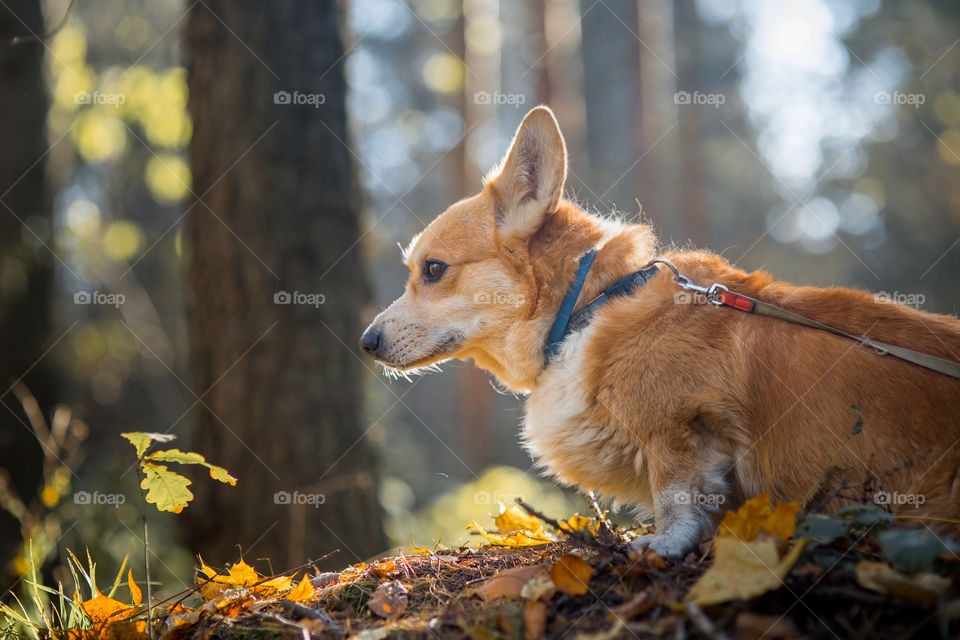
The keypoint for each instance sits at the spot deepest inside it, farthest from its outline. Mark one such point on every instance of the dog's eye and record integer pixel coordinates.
(433, 270)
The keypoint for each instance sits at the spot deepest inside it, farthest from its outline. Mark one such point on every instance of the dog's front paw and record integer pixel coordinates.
(665, 545)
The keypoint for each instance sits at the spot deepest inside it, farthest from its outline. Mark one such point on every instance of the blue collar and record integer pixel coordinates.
(559, 330)
(567, 321)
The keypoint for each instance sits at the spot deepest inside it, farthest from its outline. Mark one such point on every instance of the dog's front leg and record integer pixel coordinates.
(690, 494)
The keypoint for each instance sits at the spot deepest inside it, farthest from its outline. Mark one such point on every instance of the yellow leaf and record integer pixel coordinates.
(101, 609)
(302, 592)
(142, 441)
(742, 570)
(571, 575)
(580, 523)
(283, 583)
(514, 539)
(755, 516)
(134, 589)
(241, 575)
(422, 550)
(513, 518)
(165, 488)
(207, 571)
(189, 457)
(782, 521)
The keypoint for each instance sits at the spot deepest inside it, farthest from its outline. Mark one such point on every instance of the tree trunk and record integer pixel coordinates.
(277, 223)
(26, 271)
(611, 88)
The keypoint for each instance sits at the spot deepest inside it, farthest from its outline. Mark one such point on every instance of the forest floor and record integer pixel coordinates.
(860, 574)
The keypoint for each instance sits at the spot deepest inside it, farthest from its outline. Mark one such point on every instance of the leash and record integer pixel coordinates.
(720, 295)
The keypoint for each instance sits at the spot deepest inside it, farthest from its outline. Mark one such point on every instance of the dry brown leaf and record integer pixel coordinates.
(571, 575)
(510, 582)
(389, 600)
(922, 587)
(516, 539)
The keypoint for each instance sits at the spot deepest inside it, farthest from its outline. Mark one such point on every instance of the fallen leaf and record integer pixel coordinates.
(101, 609)
(275, 585)
(639, 604)
(755, 516)
(922, 587)
(302, 592)
(389, 600)
(580, 523)
(742, 570)
(571, 575)
(135, 592)
(520, 539)
(510, 582)
(513, 518)
(384, 568)
(534, 620)
(241, 575)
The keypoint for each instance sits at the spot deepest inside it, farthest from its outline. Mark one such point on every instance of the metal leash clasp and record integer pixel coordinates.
(711, 293)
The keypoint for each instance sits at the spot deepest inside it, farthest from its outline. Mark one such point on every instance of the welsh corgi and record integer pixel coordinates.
(658, 398)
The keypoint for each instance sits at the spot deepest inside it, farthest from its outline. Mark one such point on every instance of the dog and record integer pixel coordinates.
(662, 400)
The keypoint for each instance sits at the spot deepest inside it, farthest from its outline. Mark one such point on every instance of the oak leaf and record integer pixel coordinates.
(165, 488)
(142, 441)
(189, 457)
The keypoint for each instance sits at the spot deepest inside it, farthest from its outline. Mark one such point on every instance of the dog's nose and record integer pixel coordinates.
(370, 340)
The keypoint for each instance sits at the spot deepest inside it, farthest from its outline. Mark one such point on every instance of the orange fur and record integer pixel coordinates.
(659, 396)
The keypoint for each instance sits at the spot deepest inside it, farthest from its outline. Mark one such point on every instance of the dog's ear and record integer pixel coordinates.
(529, 181)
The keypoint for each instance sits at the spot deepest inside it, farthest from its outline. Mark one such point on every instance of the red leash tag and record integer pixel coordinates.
(737, 301)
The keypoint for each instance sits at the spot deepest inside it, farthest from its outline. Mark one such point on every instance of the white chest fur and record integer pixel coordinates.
(562, 433)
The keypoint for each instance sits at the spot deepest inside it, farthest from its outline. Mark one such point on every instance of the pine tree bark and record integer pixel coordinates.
(26, 265)
(280, 384)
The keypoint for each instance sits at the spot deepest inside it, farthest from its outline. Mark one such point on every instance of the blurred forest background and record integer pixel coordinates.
(202, 204)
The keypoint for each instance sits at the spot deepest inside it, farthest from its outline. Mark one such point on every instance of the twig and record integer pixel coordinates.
(307, 612)
(582, 537)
